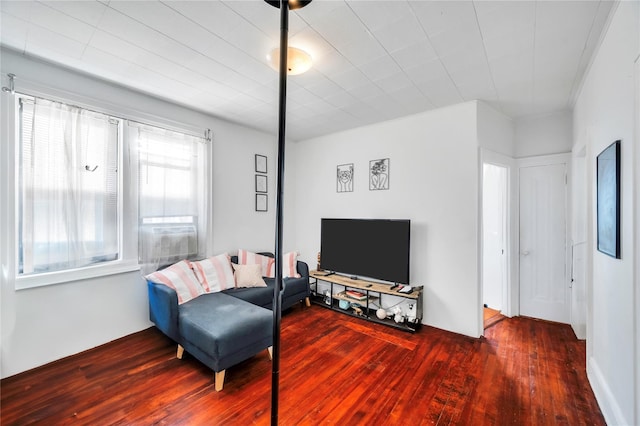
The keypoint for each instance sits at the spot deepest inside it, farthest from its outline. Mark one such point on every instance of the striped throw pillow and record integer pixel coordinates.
(181, 278)
(214, 273)
(266, 263)
(289, 266)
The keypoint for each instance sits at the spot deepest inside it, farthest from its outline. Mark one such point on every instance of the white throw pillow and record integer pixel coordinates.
(214, 273)
(181, 278)
(248, 276)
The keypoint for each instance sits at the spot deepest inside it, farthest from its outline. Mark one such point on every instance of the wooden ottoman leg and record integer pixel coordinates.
(270, 349)
(180, 352)
(307, 301)
(219, 380)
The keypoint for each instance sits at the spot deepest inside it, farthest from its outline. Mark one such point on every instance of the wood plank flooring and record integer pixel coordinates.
(334, 370)
(491, 317)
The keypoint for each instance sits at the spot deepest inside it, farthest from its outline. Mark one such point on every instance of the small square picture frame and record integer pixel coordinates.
(261, 163)
(261, 184)
(261, 202)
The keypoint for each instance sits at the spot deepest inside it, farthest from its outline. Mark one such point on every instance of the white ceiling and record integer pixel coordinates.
(373, 60)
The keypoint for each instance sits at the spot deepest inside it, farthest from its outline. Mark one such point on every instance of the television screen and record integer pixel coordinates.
(367, 248)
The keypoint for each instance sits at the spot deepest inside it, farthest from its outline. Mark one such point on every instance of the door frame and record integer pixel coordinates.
(579, 242)
(509, 309)
(547, 160)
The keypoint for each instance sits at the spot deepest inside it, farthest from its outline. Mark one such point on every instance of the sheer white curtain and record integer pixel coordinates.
(173, 195)
(68, 187)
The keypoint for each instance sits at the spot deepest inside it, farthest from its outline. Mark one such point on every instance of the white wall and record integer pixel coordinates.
(605, 112)
(637, 224)
(433, 182)
(236, 223)
(47, 323)
(543, 134)
(496, 131)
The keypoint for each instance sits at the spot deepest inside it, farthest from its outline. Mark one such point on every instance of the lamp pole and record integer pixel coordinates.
(277, 291)
(284, 6)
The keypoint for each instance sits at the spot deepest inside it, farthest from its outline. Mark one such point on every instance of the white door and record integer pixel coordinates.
(543, 254)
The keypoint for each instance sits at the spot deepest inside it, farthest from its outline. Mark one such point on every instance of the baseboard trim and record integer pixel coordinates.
(611, 411)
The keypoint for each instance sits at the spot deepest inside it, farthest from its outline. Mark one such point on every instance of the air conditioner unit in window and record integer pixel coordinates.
(168, 243)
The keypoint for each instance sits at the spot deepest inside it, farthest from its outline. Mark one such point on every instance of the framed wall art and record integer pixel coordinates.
(344, 178)
(261, 202)
(379, 174)
(261, 163)
(261, 183)
(608, 193)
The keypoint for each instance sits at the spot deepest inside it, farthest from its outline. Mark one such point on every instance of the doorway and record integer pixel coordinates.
(495, 225)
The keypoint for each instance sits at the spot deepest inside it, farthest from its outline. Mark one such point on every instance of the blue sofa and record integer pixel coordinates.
(295, 289)
(225, 328)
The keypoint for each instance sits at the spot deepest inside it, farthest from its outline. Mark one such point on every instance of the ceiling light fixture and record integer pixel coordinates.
(298, 61)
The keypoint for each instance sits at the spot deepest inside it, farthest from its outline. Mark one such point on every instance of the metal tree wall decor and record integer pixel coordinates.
(284, 6)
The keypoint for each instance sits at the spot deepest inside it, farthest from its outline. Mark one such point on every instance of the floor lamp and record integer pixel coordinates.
(284, 6)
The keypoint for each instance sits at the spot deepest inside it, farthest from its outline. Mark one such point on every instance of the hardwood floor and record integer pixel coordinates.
(491, 317)
(334, 370)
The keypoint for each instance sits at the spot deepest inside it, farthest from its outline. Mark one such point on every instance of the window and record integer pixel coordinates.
(172, 192)
(68, 201)
(96, 194)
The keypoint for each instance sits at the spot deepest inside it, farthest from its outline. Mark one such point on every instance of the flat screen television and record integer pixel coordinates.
(366, 248)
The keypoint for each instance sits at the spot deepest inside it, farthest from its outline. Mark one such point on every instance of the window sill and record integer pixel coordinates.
(50, 278)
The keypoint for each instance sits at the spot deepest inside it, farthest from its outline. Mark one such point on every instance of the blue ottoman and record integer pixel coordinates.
(221, 330)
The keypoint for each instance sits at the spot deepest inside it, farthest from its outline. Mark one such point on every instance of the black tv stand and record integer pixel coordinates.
(371, 294)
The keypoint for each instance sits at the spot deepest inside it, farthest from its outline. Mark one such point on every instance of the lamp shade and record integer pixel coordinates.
(298, 61)
(293, 4)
